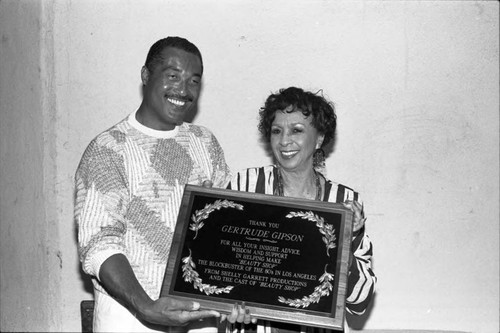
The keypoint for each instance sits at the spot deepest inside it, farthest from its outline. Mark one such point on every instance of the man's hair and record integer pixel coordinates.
(154, 55)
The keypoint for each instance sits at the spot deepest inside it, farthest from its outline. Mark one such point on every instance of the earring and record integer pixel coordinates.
(319, 159)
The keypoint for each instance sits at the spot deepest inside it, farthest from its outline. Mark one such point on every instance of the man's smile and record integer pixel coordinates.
(176, 101)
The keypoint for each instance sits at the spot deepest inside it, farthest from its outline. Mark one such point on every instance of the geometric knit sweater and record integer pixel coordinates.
(129, 185)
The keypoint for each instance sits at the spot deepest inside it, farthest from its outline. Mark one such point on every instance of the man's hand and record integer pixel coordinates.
(172, 312)
(208, 184)
(118, 278)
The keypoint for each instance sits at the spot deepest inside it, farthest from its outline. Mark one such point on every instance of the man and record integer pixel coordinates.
(129, 185)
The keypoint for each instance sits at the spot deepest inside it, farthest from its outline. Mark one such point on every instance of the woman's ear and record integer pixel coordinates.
(319, 141)
(144, 75)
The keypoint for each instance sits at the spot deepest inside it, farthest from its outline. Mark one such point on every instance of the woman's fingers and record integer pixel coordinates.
(359, 214)
(241, 314)
(356, 207)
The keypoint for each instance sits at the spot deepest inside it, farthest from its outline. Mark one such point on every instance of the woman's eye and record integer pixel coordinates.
(297, 130)
(275, 131)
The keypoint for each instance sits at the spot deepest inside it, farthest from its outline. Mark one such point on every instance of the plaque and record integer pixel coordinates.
(286, 258)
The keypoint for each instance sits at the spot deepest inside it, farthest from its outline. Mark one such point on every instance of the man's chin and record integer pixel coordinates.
(177, 118)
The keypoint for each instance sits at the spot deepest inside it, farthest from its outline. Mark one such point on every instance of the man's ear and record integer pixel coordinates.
(144, 75)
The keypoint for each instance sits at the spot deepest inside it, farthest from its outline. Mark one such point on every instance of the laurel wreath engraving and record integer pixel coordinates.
(191, 275)
(325, 229)
(322, 290)
(203, 214)
(325, 286)
(189, 268)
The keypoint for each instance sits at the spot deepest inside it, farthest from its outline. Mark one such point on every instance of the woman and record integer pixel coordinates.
(297, 124)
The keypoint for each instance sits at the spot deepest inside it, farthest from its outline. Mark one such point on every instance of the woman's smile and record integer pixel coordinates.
(294, 140)
(289, 154)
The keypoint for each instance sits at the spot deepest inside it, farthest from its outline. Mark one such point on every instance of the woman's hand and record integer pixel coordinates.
(359, 215)
(239, 314)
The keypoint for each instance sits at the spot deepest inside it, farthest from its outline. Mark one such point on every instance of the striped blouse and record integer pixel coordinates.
(361, 280)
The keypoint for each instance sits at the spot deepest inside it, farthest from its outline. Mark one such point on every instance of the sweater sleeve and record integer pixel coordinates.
(221, 174)
(100, 201)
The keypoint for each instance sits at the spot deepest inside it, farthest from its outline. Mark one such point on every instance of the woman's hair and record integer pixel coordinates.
(322, 111)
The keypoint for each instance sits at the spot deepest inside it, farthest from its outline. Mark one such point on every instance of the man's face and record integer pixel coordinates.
(171, 89)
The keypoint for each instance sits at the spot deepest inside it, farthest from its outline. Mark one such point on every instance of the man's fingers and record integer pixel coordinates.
(202, 314)
(208, 183)
(175, 304)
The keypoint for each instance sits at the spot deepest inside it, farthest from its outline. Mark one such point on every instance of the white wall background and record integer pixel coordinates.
(416, 85)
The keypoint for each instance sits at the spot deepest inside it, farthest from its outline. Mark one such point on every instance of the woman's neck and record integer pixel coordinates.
(305, 184)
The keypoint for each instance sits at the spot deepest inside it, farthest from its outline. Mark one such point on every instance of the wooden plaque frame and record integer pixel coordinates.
(286, 258)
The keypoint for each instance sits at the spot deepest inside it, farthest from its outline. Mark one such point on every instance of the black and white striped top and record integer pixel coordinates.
(361, 280)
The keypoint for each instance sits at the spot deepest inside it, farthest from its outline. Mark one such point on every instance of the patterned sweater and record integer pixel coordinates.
(129, 185)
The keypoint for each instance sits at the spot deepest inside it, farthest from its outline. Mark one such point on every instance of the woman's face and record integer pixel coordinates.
(294, 140)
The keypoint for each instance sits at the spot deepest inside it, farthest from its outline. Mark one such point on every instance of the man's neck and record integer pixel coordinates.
(151, 122)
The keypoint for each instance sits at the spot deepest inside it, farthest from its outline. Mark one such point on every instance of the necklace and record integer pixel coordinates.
(281, 192)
